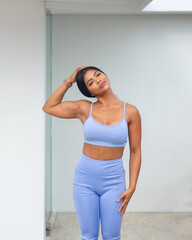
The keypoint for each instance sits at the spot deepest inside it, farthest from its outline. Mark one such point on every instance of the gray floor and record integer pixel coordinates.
(135, 226)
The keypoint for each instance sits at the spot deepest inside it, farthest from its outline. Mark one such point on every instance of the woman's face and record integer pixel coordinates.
(93, 80)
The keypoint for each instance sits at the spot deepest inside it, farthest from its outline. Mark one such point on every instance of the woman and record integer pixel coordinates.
(99, 186)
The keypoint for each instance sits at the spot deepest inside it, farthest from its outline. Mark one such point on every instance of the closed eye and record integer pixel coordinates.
(92, 82)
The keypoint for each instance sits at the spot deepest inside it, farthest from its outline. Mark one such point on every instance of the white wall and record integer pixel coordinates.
(147, 59)
(22, 95)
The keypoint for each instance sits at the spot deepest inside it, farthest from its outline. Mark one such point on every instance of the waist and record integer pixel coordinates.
(102, 152)
(98, 168)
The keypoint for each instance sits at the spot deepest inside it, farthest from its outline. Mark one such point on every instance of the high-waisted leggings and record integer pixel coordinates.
(96, 187)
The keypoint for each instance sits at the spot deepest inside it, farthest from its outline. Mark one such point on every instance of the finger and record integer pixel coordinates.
(121, 207)
(79, 69)
(119, 199)
(84, 66)
(123, 210)
(124, 204)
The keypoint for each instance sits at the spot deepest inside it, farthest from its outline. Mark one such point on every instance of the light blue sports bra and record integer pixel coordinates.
(96, 133)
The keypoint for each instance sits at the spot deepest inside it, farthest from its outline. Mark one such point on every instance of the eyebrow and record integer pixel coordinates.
(93, 75)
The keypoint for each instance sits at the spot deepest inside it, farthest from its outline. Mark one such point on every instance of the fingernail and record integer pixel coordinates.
(117, 200)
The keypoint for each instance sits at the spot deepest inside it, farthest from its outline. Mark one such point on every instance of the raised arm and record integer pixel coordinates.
(66, 109)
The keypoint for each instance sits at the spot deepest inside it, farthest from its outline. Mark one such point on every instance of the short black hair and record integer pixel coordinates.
(80, 80)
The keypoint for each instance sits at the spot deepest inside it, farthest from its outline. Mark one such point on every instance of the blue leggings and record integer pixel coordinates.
(96, 187)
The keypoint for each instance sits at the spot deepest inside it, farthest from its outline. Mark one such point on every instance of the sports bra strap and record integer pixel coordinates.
(124, 109)
(91, 109)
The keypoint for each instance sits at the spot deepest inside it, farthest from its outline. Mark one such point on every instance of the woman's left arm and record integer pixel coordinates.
(135, 156)
(135, 148)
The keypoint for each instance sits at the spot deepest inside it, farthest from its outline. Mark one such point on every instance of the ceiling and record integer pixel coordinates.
(96, 6)
(110, 6)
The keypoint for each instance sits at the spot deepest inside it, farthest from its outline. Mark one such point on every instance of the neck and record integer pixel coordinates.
(108, 98)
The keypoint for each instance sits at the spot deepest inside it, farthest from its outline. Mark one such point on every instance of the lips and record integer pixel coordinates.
(102, 84)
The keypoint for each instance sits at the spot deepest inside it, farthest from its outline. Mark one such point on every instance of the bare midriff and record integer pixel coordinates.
(101, 152)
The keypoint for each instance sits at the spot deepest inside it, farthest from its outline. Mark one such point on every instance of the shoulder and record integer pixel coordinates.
(84, 105)
(83, 101)
(131, 112)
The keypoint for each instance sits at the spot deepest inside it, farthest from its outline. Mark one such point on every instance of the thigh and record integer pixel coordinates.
(86, 203)
(111, 219)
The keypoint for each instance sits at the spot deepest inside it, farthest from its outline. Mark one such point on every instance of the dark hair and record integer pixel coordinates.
(80, 80)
